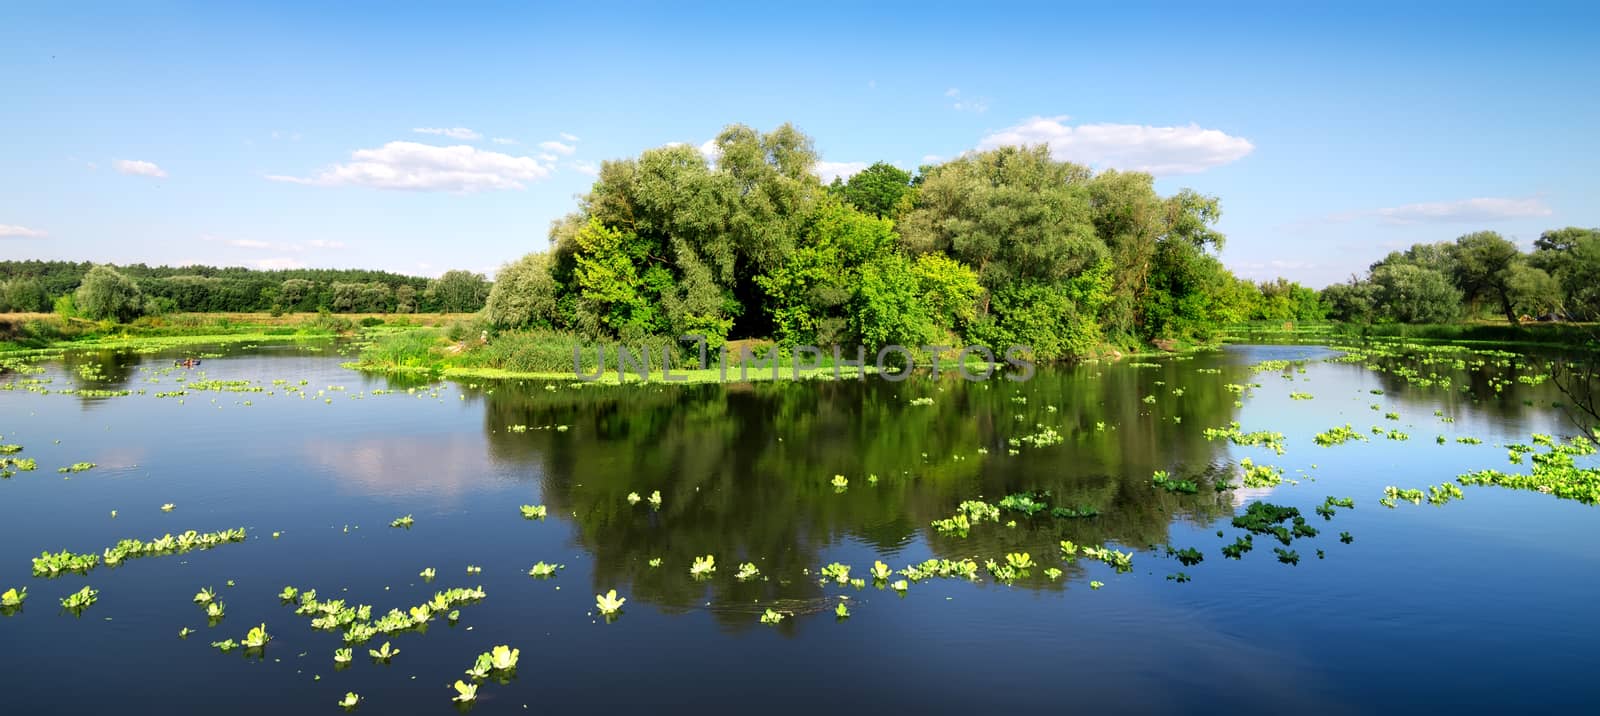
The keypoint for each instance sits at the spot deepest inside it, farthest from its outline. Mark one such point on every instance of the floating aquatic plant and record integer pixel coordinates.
(350, 701)
(747, 571)
(168, 507)
(837, 572)
(771, 617)
(1286, 556)
(840, 483)
(427, 574)
(257, 637)
(402, 522)
(543, 570)
(1096, 584)
(1267, 518)
(880, 571)
(13, 598)
(288, 594)
(81, 599)
(1020, 560)
(654, 562)
(1188, 556)
(226, 645)
(898, 585)
(51, 565)
(1052, 573)
(1346, 538)
(703, 566)
(205, 596)
(1337, 436)
(633, 498)
(533, 512)
(1239, 547)
(342, 656)
(383, 653)
(1555, 471)
(1022, 502)
(609, 603)
(465, 692)
(482, 666)
(841, 611)
(1165, 482)
(504, 658)
(1262, 438)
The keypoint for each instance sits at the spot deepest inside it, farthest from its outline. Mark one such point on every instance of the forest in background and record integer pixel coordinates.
(1002, 247)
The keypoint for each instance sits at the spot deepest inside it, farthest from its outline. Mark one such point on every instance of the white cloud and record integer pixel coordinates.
(139, 168)
(548, 157)
(283, 262)
(589, 168)
(248, 244)
(827, 171)
(424, 167)
(932, 159)
(558, 148)
(13, 231)
(504, 140)
(322, 244)
(1465, 211)
(1135, 147)
(570, 137)
(967, 104)
(710, 150)
(451, 132)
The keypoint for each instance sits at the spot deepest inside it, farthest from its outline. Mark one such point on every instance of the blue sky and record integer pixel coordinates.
(286, 134)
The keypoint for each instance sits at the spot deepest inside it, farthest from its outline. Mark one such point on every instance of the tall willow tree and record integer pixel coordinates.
(694, 236)
(1068, 257)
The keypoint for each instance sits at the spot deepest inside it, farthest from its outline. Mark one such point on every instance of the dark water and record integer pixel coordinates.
(1484, 604)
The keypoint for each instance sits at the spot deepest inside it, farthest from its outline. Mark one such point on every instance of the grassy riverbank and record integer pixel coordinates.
(33, 331)
(1482, 333)
(548, 355)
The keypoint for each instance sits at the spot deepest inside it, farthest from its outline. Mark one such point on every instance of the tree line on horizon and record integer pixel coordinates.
(1003, 247)
(126, 292)
(1478, 273)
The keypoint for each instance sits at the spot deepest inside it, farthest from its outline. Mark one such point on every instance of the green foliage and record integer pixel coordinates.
(24, 294)
(1485, 262)
(106, 294)
(877, 190)
(524, 294)
(457, 291)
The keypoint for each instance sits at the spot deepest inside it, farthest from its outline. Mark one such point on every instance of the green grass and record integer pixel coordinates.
(1528, 334)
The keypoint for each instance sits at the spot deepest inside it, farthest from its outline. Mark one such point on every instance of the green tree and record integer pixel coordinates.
(1009, 213)
(106, 294)
(1572, 257)
(1533, 292)
(1408, 293)
(24, 294)
(876, 190)
(295, 293)
(524, 294)
(458, 291)
(405, 299)
(1484, 265)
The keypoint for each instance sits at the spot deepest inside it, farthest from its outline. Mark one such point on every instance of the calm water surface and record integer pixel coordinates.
(1484, 604)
